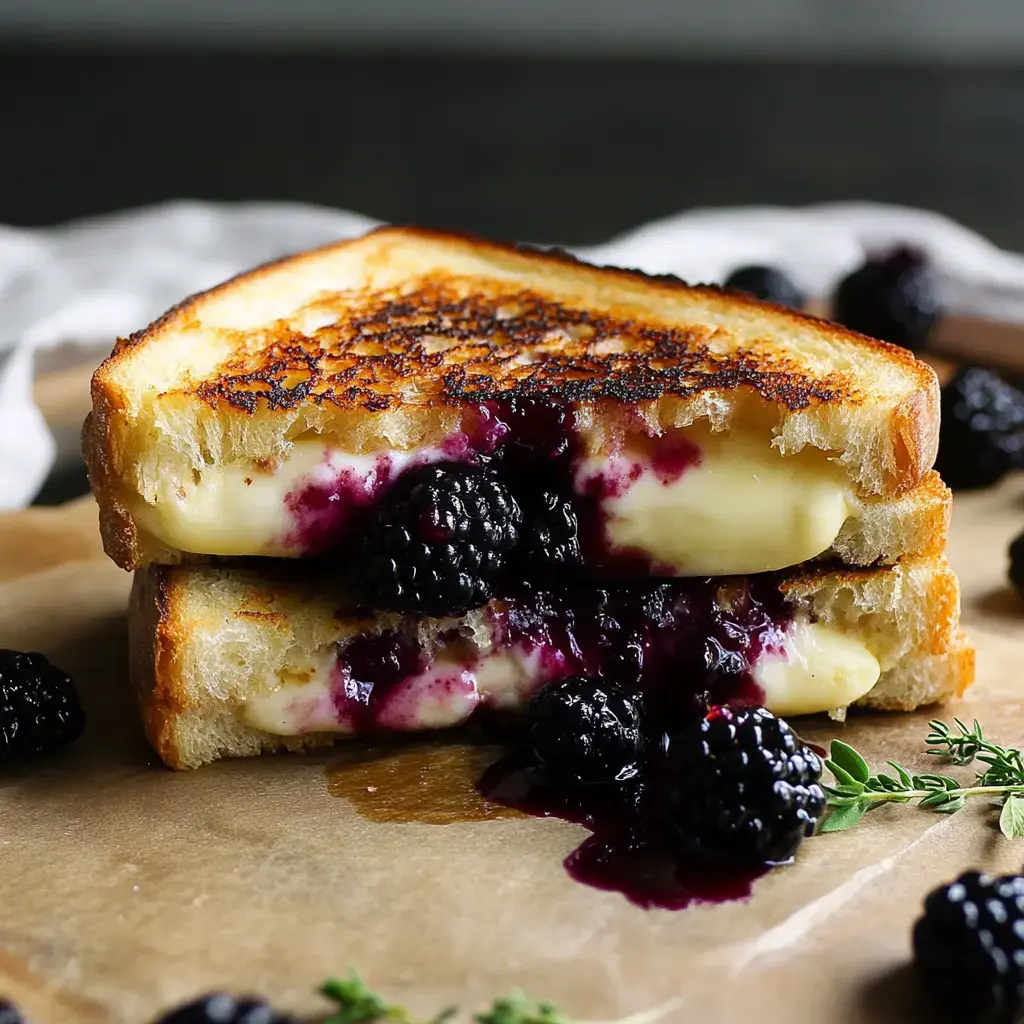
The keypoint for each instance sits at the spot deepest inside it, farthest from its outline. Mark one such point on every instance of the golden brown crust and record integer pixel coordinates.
(463, 340)
(937, 500)
(916, 427)
(444, 340)
(149, 646)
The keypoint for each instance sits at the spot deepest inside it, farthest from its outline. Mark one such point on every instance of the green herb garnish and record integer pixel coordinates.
(858, 791)
(355, 1003)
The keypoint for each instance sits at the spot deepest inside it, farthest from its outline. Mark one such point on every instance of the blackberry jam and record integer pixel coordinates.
(533, 448)
(672, 646)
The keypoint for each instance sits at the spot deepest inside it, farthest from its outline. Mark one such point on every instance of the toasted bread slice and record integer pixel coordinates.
(386, 344)
(211, 645)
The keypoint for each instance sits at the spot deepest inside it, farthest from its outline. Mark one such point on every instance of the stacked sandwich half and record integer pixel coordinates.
(401, 480)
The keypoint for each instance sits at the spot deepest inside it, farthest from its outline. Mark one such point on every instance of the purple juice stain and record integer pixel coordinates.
(323, 511)
(672, 455)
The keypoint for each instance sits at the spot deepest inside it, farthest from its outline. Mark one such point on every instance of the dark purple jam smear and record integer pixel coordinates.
(532, 445)
(678, 645)
(630, 849)
(679, 642)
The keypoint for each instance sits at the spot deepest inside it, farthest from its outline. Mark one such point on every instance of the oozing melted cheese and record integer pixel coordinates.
(815, 668)
(742, 508)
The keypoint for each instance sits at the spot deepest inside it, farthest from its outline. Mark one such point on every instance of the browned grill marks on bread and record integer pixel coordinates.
(472, 340)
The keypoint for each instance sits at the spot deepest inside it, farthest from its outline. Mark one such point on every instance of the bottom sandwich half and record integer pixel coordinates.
(235, 660)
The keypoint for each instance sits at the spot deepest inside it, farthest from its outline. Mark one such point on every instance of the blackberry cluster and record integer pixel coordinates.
(981, 432)
(743, 786)
(39, 707)
(893, 297)
(738, 786)
(440, 540)
(969, 948)
(585, 732)
(767, 283)
(221, 1008)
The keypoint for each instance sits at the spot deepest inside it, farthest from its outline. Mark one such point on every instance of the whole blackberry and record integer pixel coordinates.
(743, 787)
(39, 707)
(439, 540)
(892, 297)
(767, 283)
(10, 1014)
(582, 731)
(969, 948)
(221, 1008)
(549, 538)
(981, 430)
(1016, 572)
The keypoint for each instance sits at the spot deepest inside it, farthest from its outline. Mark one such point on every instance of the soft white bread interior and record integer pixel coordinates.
(205, 639)
(382, 342)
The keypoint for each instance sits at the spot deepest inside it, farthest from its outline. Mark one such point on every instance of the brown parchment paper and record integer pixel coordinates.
(125, 887)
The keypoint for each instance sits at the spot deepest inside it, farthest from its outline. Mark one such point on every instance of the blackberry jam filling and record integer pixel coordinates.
(530, 447)
(616, 673)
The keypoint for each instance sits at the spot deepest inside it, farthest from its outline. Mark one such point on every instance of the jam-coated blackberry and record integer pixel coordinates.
(221, 1008)
(39, 707)
(585, 731)
(549, 537)
(969, 948)
(743, 787)
(892, 297)
(767, 283)
(439, 540)
(981, 431)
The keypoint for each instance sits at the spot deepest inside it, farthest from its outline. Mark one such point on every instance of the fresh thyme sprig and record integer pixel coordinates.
(356, 1003)
(858, 791)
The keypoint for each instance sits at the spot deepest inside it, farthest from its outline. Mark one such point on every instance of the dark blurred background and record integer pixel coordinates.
(550, 120)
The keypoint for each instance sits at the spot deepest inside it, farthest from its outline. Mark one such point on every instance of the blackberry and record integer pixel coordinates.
(10, 1014)
(767, 283)
(439, 540)
(221, 1008)
(549, 539)
(893, 297)
(981, 430)
(39, 707)
(582, 731)
(1016, 572)
(742, 786)
(969, 948)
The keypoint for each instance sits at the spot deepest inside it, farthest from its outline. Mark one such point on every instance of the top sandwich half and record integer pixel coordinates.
(698, 432)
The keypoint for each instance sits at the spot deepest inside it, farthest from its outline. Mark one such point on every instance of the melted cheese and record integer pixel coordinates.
(743, 508)
(815, 668)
